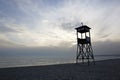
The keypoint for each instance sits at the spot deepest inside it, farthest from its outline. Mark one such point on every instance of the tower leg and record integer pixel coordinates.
(88, 60)
(76, 60)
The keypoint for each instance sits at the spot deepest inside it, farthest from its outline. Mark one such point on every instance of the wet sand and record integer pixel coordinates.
(103, 70)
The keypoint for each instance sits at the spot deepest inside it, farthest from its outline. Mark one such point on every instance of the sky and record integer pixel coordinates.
(46, 27)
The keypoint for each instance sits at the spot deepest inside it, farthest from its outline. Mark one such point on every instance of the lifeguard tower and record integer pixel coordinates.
(84, 47)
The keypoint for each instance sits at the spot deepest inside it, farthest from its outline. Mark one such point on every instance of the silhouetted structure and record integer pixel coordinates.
(84, 47)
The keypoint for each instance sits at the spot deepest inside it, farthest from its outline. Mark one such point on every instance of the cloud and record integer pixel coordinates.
(41, 23)
(4, 29)
(106, 47)
(5, 42)
(99, 48)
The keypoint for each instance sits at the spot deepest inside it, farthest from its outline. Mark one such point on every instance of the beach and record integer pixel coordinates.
(103, 70)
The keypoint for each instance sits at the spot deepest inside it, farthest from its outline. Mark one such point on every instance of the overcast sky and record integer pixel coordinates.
(47, 26)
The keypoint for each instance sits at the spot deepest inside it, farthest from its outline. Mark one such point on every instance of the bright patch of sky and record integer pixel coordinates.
(38, 23)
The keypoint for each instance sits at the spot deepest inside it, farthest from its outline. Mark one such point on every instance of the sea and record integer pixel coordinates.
(20, 61)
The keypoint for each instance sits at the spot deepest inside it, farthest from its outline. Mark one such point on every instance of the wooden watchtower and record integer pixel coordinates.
(84, 47)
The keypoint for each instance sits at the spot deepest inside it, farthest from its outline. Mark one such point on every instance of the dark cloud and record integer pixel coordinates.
(99, 48)
(106, 47)
(39, 51)
(105, 36)
(4, 29)
(68, 25)
(6, 43)
(104, 31)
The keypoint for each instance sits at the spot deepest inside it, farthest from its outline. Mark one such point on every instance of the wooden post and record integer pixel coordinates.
(77, 48)
(91, 49)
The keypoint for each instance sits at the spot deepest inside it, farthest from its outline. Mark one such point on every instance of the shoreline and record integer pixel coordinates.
(103, 70)
(37, 61)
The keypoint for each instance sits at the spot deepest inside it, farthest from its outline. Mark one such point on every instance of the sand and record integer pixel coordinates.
(103, 70)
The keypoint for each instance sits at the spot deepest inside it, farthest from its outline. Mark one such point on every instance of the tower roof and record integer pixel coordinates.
(83, 29)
